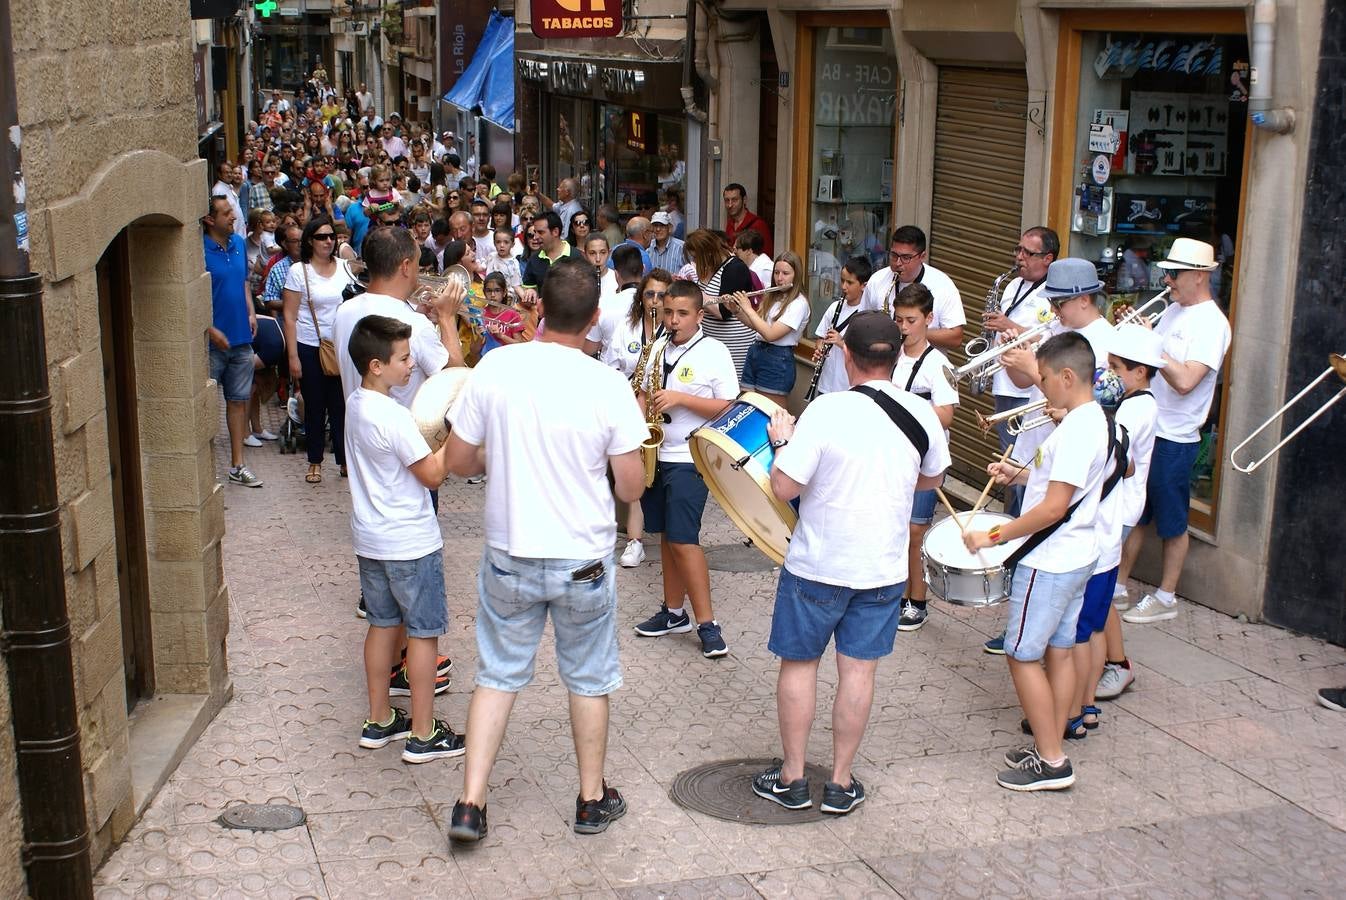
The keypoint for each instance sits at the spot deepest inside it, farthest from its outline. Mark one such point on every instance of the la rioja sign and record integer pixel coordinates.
(577, 18)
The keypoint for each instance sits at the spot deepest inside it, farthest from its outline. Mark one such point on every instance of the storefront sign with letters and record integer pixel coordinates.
(577, 18)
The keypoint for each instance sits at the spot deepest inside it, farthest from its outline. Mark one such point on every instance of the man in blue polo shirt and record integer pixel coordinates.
(233, 324)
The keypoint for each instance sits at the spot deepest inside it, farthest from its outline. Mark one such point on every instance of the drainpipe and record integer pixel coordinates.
(691, 47)
(1280, 120)
(34, 625)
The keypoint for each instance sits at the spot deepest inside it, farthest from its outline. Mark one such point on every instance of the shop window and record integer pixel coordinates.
(1158, 153)
(571, 150)
(644, 155)
(851, 139)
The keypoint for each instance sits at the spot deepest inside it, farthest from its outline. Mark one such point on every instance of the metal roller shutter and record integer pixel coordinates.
(977, 198)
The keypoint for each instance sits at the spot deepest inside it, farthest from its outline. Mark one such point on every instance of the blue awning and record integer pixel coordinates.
(487, 84)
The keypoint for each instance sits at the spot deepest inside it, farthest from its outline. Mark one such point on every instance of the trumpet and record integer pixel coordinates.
(1335, 363)
(1138, 313)
(1014, 418)
(986, 365)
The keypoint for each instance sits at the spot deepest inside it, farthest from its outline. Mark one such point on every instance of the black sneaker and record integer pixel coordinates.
(1333, 698)
(1014, 757)
(712, 642)
(794, 795)
(838, 800)
(913, 617)
(594, 816)
(664, 622)
(441, 744)
(467, 824)
(360, 611)
(1034, 774)
(399, 686)
(375, 735)
(443, 665)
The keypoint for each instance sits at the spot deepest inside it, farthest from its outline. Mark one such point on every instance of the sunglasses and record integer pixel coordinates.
(329, 236)
(579, 221)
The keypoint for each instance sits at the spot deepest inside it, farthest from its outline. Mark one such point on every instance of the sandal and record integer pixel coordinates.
(1087, 711)
(1076, 730)
(314, 475)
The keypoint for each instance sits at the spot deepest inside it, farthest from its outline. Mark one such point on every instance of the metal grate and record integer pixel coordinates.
(262, 817)
(723, 790)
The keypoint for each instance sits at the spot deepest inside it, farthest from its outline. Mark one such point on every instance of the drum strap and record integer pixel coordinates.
(905, 421)
(1117, 452)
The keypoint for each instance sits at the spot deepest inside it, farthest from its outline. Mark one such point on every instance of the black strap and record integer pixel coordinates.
(1130, 396)
(1117, 451)
(1023, 295)
(916, 370)
(668, 366)
(905, 421)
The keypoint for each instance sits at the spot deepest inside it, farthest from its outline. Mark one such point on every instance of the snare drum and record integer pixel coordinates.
(958, 576)
(734, 456)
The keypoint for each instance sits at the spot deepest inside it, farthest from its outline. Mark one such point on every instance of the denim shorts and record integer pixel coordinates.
(770, 368)
(232, 370)
(923, 507)
(1044, 608)
(808, 613)
(406, 592)
(1097, 602)
(517, 593)
(1168, 492)
(674, 503)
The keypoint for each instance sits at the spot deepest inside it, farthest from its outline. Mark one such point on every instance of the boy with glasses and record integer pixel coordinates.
(907, 265)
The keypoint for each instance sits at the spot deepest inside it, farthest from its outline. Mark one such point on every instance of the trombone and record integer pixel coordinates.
(1136, 315)
(987, 364)
(1336, 364)
(1014, 419)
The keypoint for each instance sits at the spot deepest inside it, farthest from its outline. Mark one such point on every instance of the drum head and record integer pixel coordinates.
(433, 399)
(944, 544)
(745, 493)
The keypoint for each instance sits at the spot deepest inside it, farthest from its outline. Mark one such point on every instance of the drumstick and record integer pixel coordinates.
(976, 507)
(949, 506)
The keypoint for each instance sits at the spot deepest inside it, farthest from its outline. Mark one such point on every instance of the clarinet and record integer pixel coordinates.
(822, 355)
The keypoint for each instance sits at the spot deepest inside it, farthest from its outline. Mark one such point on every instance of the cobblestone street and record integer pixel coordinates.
(1216, 775)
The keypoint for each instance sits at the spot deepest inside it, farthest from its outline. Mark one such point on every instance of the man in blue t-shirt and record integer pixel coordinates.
(233, 325)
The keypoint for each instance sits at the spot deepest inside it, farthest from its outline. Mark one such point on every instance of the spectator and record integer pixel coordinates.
(738, 217)
(666, 251)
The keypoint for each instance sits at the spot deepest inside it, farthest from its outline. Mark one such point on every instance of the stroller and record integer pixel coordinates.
(270, 347)
(292, 429)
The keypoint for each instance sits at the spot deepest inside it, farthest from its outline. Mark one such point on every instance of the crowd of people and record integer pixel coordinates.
(586, 333)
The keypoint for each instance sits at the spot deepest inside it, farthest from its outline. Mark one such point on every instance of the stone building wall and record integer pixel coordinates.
(107, 110)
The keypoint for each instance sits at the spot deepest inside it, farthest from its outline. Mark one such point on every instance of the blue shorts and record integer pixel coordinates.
(516, 595)
(808, 613)
(1044, 608)
(674, 503)
(1097, 602)
(769, 368)
(406, 592)
(1168, 492)
(232, 370)
(923, 507)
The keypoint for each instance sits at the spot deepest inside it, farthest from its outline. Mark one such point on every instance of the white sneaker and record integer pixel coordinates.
(266, 435)
(633, 555)
(1121, 598)
(1150, 609)
(1115, 680)
(252, 440)
(477, 479)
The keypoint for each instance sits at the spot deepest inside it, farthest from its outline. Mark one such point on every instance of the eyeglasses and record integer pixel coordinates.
(657, 295)
(1024, 251)
(902, 257)
(327, 236)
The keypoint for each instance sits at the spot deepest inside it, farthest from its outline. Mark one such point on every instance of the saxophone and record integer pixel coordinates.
(980, 384)
(820, 353)
(649, 448)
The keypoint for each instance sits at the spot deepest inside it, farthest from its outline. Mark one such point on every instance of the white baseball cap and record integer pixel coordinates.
(1137, 344)
(661, 218)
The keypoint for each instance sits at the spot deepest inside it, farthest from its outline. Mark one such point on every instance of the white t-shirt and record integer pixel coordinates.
(796, 315)
(391, 515)
(623, 350)
(484, 246)
(1191, 333)
(428, 352)
(929, 378)
(549, 417)
(326, 299)
(612, 309)
(1098, 333)
(1030, 308)
(700, 366)
(1138, 414)
(1075, 453)
(1108, 527)
(859, 473)
(762, 267)
(948, 303)
(833, 377)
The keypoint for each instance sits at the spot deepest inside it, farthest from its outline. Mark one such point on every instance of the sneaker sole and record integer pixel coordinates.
(602, 827)
(1152, 617)
(1328, 704)
(1099, 695)
(627, 565)
(461, 834)
(680, 629)
(440, 688)
(380, 743)
(780, 801)
(1000, 652)
(417, 758)
(840, 811)
(1046, 784)
(916, 627)
(361, 614)
(715, 654)
(253, 484)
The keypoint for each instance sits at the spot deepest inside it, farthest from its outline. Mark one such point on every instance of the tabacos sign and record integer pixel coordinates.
(577, 18)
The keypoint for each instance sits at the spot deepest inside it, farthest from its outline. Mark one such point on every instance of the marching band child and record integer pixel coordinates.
(831, 327)
(698, 379)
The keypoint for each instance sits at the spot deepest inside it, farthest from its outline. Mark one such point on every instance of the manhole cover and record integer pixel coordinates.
(262, 817)
(737, 558)
(723, 790)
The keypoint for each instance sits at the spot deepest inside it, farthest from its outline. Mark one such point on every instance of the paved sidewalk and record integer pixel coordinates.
(1215, 776)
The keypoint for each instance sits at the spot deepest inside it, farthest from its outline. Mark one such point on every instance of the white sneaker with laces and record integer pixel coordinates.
(1150, 609)
(633, 555)
(266, 435)
(1115, 680)
(252, 440)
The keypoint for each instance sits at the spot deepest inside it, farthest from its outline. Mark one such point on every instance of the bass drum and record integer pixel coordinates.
(430, 407)
(958, 576)
(735, 456)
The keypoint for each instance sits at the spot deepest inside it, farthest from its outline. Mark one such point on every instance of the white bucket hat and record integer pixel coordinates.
(1189, 253)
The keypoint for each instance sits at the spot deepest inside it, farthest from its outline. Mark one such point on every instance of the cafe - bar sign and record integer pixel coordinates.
(577, 18)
